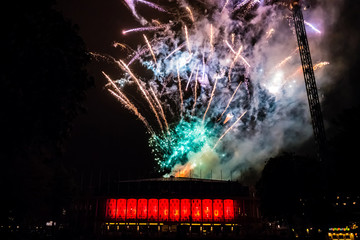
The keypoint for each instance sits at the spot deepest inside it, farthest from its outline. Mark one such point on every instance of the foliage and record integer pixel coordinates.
(43, 82)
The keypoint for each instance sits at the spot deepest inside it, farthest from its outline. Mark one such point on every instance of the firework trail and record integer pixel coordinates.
(228, 130)
(143, 29)
(211, 38)
(144, 92)
(195, 48)
(312, 27)
(176, 49)
(127, 103)
(211, 97)
(190, 13)
(160, 108)
(150, 49)
(192, 71)
(187, 39)
(131, 6)
(230, 100)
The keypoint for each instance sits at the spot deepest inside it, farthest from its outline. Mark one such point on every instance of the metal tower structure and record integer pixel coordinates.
(309, 77)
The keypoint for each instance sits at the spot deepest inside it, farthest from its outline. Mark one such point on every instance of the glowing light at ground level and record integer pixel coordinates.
(173, 210)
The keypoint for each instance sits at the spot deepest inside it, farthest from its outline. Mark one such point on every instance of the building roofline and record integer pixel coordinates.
(177, 179)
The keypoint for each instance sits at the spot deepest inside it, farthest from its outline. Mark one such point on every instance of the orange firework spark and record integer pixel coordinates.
(211, 38)
(228, 130)
(320, 65)
(228, 117)
(126, 102)
(143, 92)
(190, 13)
(151, 51)
(160, 108)
(229, 101)
(211, 97)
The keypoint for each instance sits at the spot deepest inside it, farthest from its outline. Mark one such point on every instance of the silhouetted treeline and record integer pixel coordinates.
(43, 85)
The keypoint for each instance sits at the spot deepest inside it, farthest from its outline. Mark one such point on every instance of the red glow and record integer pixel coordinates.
(218, 210)
(153, 209)
(110, 208)
(142, 209)
(196, 210)
(121, 209)
(174, 210)
(163, 209)
(207, 210)
(185, 210)
(229, 209)
(131, 209)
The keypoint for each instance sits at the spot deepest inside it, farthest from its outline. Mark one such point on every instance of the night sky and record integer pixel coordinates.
(107, 136)
(110, 137)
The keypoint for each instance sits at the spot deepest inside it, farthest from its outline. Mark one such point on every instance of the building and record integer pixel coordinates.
(169, 207)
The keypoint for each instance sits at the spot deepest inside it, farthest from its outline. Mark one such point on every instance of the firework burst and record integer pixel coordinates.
(212, 89)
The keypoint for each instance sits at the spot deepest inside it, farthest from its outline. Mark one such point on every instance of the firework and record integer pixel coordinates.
(143, 29)
(211, 97)
(312, 27)
(187, 39)
(190, 13)
(210, 116)
(150, 49)
(228, 130)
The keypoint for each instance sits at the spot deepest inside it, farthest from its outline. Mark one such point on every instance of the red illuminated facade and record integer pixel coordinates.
(131, 209)
(153, 214)
(170, 210)
(142, 209)
(163, 210)
(168, 207)
(207, 212)
(121, 209)
(228, 209)
(218, 207)
(174, 210)
(185, 210)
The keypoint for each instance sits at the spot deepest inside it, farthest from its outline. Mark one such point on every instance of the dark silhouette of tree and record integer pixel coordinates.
(343, 144)
(43, 84)
(290, 190)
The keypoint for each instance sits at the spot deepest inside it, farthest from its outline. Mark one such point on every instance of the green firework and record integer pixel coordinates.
(185, 137)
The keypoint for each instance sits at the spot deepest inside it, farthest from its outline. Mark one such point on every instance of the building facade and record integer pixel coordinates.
(169, 207)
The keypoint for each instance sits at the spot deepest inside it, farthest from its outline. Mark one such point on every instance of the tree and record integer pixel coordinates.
(44, 82)
(290, 189)
(343, 166)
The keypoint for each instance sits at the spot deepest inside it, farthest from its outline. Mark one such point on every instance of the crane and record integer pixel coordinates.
(309, 77)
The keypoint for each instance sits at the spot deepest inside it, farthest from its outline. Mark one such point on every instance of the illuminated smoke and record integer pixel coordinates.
(225, 93)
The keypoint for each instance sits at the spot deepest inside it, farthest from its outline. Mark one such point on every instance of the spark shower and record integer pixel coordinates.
(218, 84)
